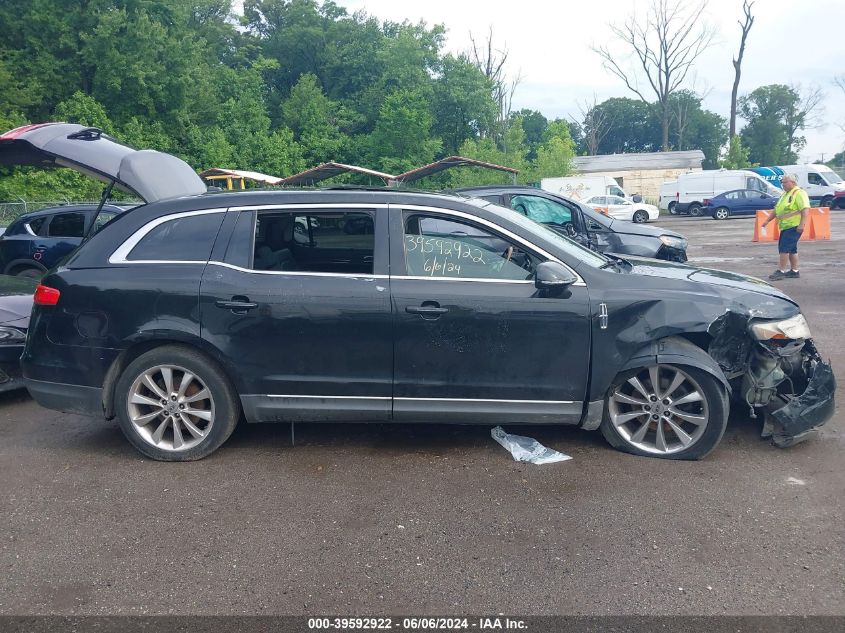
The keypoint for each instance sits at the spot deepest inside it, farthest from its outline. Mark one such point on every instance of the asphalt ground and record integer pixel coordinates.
(381, 519)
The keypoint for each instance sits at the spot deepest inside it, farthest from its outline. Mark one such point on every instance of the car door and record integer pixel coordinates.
(475, 341)
(619, 208)
(304, 315)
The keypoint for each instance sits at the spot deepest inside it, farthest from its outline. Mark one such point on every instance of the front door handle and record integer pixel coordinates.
(428, 310)
(237, 304)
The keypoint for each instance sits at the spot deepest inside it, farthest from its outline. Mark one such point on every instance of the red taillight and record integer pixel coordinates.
(46, 296)
(13, 134)
(706, 201)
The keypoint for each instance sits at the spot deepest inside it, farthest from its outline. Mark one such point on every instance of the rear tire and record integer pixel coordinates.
(689, 427)
(695, 209)
(722, 213)
(672, 208)
(174, 404)
(640, 217)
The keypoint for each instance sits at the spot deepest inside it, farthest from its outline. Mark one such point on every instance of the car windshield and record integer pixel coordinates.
(830, 175)
(570, 247)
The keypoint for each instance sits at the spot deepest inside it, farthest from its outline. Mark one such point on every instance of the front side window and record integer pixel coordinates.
(441, 247)
(756, 184)
(185, 239)
(815, 179)
(542, 210)
(616, 200)
(67, 225)
(323, 241)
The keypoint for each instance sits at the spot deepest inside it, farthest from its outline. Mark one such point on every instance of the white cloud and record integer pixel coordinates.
(549, 42)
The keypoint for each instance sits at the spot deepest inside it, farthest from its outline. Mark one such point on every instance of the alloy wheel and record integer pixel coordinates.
(660, 410)
(171, 408)
(722, 213)
(640, 217)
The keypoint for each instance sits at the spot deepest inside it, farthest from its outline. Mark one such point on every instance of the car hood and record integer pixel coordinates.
(630, 228)
(146, 173)
(16, 299)
(742, 284)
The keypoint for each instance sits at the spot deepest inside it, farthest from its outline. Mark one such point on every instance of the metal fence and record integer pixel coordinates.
(11, 210)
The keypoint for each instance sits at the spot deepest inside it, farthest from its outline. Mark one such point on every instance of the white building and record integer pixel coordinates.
(641, 173)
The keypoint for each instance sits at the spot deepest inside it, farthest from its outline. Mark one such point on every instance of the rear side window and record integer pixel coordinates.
(185, 239)
(330, 241)
(37, 224)
(65, 225)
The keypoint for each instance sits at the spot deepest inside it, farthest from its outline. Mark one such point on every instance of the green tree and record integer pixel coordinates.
(554, 156)
(631, 126)
(402, 137)
(737, 156)
(462, 104)
(85, 110)
(775, 114)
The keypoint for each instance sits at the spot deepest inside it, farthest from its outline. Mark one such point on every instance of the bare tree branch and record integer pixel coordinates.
(737, 61)
(664, 46)
(597, 124)
(491, 61)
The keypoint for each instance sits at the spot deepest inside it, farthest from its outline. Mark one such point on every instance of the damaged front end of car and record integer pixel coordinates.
(775, 368)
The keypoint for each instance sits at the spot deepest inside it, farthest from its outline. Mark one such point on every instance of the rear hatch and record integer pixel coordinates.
(149, 174)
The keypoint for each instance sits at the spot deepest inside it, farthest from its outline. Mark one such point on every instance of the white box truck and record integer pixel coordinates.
(582, 187)
(696, 187)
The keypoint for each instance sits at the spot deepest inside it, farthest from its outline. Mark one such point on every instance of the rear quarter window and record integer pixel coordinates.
(184, 239)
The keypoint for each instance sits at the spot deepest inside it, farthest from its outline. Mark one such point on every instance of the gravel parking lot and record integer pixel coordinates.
(435, 520)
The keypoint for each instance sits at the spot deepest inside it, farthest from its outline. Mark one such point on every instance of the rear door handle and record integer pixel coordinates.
(238, 305)
(428, 310)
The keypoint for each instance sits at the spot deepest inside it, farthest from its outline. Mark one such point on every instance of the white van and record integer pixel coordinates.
(582, 187)
(819, 181)
(668, 196)
(696, 187)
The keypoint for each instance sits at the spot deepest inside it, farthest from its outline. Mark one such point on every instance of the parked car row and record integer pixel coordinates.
(195, 310)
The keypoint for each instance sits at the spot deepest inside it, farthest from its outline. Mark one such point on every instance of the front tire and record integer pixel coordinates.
(174, 404)
(722, 213)
(29, 272)
(665, 411)
(827, 201)
(640, 217)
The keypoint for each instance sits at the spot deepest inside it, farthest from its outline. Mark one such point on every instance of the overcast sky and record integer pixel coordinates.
(549, 44)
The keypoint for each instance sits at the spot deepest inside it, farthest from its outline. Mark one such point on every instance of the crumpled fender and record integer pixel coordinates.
(675, 350)
(812, 408)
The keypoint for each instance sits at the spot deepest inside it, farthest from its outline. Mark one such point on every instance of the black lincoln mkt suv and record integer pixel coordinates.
(195, 310)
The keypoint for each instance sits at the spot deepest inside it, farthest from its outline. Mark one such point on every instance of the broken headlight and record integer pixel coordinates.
(674, 242)
(794, 328)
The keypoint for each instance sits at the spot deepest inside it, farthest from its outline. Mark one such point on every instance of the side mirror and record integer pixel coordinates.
(552, 275)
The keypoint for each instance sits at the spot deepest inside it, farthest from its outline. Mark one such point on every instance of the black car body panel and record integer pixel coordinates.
(591, 228)
(358, 346)
(15, 308)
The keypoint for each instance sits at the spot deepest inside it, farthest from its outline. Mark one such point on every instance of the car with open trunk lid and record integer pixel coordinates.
(195, 310)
